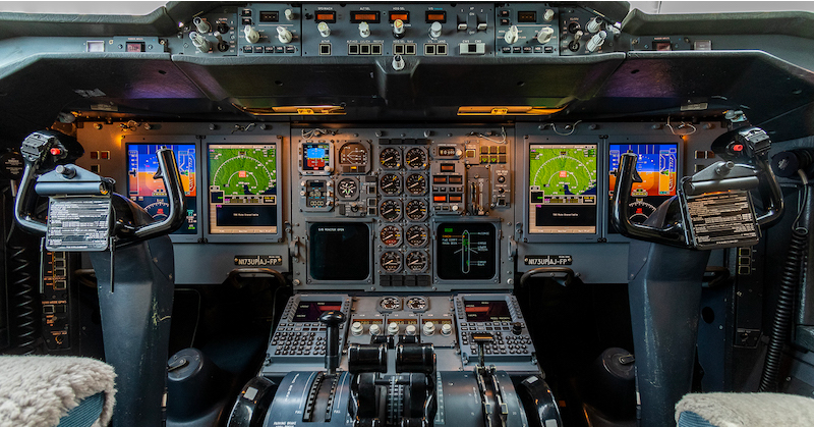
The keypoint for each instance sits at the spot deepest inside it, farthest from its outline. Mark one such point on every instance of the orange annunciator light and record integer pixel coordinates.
(403, 16)
(507, 110)
(326, 17)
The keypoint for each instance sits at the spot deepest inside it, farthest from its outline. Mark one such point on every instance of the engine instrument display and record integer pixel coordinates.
(390, 236)
(390, 184)
(416, 184)
(417, 261)
(334, 254)
(310, 311)
(390, 158)
(348, 189)
(416, 158)
(390, 210)
(657, 166)
(466, 251)
(390, 262)
(150, 194)
(417, 235)
(242, 188)
(489, 311)
(562, 188)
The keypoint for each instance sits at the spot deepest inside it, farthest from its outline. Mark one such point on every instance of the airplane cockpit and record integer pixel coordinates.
(409, 214)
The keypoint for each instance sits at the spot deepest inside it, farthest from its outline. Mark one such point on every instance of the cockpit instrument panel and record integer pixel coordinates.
(563, 188)
(149, 193)
(243, 188)
(658, 168)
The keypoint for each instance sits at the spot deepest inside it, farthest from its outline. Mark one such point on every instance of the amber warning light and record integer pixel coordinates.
(364, 16)
(326, 17)
(403, 16)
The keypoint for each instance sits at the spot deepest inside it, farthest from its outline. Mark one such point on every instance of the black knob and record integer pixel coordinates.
(517, 328)
(332, 321)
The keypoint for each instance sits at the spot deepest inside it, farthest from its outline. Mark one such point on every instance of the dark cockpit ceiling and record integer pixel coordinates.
(757, 64)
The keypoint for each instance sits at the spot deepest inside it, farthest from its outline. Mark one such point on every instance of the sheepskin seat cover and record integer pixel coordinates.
(749, 409)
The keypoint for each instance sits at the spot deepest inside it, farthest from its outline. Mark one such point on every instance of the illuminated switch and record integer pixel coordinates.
(134, 47)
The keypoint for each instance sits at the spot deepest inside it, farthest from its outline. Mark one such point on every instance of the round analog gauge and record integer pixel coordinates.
(640, 211)
(416, 210)
(416, 303)
(390, 184)
(416, 158)
(390, 236)
(158, 210)
(417, 261)
(416, 184)
(348, 188)
(390, 210)
(390, 261)
(353, 154)
(417, 235)
(390, 303)
(390, 158)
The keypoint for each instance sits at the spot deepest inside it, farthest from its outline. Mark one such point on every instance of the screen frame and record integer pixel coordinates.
(601, 183)
(171, 140)
(495, 279)
(371, 230)
(635, 140)
(238, 140)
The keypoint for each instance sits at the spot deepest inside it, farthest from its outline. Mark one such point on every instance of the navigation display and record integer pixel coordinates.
(339, 251)
(562, 188)
(242, 188)
(494, 311)
(310, 311)
(466, 251)
(150, 194)
(657, 165)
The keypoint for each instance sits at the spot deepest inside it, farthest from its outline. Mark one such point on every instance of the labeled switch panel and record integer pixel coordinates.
(269, 29)
(56, 310)
(527, 29)
(394, 29)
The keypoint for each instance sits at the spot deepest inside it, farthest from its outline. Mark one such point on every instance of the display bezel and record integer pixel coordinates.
(636, 140)
(371, 229)
(601, 183)
(301, 158)
(435, 254)
(173, 140)
(238, 141)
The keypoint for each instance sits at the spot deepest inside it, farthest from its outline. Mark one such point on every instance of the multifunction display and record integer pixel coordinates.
(562, 188)
(466, 251)
(310, 311)
(657, 166)
(149, 193)
(490, 311)
(243, 188)
(339, 251)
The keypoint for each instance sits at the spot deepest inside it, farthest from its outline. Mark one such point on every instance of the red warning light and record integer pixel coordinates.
(56, 151)
(737, 148)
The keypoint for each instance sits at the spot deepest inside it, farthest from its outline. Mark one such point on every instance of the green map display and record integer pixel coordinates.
(245, 170)
(563, 170)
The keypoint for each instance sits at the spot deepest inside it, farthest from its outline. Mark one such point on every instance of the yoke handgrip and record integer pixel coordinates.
(620, 216)
(168, 172)
(23, 204)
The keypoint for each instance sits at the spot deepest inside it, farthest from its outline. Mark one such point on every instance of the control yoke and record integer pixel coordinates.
(745, 167)
(46, 150)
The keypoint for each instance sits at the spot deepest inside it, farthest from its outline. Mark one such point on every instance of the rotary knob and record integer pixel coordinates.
(364, 29)
(324, 29)
(284, 35)
(410, 330)
(356, 328)
(435, 30)
(375, 329)
(252, 36)
(429, 328)
(446, 329)
(392, 328)
(512, 35)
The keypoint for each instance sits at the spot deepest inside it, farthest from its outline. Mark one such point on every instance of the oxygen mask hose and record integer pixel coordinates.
(789, 282)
